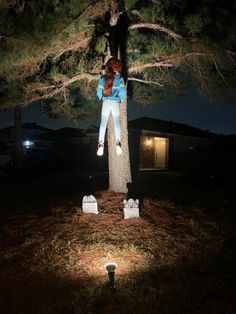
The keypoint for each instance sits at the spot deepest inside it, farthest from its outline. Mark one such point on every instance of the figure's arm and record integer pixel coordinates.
(122, 90)
(100, 88)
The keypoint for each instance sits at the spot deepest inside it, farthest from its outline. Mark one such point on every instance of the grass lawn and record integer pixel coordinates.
(179, 257)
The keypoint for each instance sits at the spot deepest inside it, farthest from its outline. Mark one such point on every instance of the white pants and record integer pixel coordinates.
(113, 107)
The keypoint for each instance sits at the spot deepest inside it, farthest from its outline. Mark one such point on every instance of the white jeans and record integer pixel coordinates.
(113, 107)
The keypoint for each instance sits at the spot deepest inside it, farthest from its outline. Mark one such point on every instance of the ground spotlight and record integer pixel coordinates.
(111, 267)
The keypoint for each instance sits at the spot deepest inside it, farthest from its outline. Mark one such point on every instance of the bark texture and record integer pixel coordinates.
(119, 165)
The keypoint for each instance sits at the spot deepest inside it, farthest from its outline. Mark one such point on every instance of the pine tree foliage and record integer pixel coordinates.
(51, 51)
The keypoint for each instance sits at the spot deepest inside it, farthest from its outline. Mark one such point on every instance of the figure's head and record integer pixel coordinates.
(109, 71)
(115, 64)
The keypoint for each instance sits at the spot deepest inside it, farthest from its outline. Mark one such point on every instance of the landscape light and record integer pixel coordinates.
(111, 267)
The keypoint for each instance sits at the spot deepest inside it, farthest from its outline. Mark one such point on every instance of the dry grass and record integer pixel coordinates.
(168, 261)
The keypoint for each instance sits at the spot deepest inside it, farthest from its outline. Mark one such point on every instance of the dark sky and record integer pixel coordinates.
(191, 109)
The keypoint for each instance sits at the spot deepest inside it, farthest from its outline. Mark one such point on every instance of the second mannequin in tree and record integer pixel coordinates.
(111, 90)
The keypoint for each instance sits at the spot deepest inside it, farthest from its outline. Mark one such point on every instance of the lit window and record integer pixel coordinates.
(154, 152)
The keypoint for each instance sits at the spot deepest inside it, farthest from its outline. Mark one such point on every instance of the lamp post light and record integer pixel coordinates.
(111, 267)
(28, 144)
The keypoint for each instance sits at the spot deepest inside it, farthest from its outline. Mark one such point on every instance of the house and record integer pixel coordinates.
(76, 146)
(154, 144)
(7, 137)
(165, 145)
(28, 130)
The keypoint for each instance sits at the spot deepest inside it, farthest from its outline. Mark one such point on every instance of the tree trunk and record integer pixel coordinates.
(18, 149)
(119, 165)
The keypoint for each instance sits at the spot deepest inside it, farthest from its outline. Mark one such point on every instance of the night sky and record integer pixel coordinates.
(191, 109)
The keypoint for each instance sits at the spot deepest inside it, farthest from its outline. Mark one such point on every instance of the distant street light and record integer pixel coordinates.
(28, 144)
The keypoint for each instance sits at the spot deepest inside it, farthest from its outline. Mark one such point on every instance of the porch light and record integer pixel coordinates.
(111, 267)
(148, 141)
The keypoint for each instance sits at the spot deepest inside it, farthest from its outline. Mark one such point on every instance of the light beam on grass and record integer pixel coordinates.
(128, 257)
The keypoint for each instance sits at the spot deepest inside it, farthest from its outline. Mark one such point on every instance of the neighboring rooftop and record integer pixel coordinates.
(60, 134)
(28, 125)
(151, 124)
(144, 123)
(91, 130)
(34, 125)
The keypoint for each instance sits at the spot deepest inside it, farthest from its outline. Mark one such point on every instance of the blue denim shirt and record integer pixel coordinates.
(118, 89)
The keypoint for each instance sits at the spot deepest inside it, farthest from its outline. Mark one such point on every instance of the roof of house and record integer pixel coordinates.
(91, 130)
(60, 134)
(144, 123)
(157, 125)
(34, 126)
(27, 125)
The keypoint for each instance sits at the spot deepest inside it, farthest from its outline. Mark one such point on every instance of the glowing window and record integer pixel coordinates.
(154, 152)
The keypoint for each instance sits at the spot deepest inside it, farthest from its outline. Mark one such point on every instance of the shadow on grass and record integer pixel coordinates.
(39, 192)
(184, 190)
(28, 190)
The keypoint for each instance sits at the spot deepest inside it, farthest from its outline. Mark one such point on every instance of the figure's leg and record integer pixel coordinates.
(115, 109)
(104, 120)
(103, 125)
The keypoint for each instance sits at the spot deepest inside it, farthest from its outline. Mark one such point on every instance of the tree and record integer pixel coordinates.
(52, 51)
(18, 149)
(119, 166)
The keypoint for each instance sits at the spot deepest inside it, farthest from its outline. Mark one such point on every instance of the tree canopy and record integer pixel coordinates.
(51, 51)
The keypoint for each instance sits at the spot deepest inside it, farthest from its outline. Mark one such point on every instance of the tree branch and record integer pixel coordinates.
(53, 90)
(2, 37)
(196, 54)
(50, 91)
(95, 6)
(140, 67)
(218, 71)
(157, 27)
(74, 46)
(144, 81)
(93, 9)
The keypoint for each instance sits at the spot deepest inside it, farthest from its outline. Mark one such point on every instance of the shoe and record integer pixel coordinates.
(100, 149)
(118, 148)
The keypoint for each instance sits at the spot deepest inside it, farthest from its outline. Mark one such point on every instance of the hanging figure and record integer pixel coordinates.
(111, 90)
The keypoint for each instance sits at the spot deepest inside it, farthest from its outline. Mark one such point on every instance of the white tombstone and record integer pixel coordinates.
(89, 205)
(131, 208)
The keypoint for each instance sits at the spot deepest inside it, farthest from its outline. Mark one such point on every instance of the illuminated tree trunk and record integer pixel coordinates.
(119, 165)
